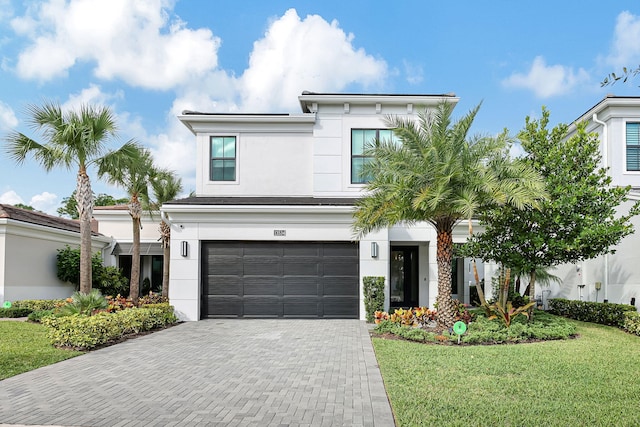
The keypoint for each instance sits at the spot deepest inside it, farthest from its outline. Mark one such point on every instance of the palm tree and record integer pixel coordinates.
(165, 186)
(73, 139)
(436, 174)
(134, 176)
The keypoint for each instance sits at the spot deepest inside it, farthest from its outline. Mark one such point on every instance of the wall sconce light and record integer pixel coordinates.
(184, 248)
(374, 250)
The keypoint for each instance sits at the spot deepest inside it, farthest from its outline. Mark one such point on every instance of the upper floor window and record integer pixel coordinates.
(633, 146)
(360, 139)
(223, 158)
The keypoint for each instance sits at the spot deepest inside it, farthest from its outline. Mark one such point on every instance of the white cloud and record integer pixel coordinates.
(10, 198)
(8, 119)
(414, 73)
(6, 10)
(91, 95)
(309, 54)
(625, 49)
(547, 81)
(131, 41)
(45, 202)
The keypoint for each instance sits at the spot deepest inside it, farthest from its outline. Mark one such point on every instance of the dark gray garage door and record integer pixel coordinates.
(280, 279)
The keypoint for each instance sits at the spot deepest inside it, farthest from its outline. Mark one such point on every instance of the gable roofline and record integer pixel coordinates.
(194, 120)
(38, 218)
(609, 100)
(308, 99)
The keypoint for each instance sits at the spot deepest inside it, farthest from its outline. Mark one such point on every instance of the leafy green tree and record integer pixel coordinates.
(439, 175)
(69, 206)
(613, 78)
(165, 186)
(73, 139)
(578, 221)
(109, 280)
(23, 206)
(134, 175)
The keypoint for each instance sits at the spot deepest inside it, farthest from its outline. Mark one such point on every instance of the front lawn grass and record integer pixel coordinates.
(591, 380)
(24, 346)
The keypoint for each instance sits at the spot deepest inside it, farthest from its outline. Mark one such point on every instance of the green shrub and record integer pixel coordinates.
(85, 332)
(373, 290)
(86, 304)
(14, 312)
(110, 281)
(153, 298)
(596, 312)
(406, 332)
(37, 316)
(39, 304)
(632, 322)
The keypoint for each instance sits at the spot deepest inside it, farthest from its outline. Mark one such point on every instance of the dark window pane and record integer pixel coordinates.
(633, 146)
(229, 173)
(230, 147)
(217, 170)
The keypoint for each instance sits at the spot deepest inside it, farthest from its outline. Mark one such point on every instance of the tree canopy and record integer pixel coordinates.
(69, 206)
(437, 174)
(578, 221)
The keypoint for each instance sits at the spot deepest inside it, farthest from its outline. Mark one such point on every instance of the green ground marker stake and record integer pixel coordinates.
(7, 304)
(459, 328)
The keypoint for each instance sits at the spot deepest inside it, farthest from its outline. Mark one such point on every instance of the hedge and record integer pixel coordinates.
(14, 312)
(39, 304)
(604, 313)
(632, 322)
(373, 290)
(86, 332)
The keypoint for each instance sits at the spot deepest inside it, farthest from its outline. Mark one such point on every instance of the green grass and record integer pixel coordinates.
(592, 380)
(24, 346)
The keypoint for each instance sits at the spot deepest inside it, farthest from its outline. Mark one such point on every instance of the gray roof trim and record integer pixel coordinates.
(39, 218)
(266, 201)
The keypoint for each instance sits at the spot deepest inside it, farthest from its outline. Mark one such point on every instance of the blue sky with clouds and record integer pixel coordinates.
(150, 60)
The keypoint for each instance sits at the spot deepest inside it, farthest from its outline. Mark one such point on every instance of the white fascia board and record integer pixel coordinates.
(607, 103)
(389, 99)
(25, 229)
(199, 123)
(259, 214)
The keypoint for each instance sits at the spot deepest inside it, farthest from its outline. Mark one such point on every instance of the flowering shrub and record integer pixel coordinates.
(420, 316)
(153, 298)
(118, 303)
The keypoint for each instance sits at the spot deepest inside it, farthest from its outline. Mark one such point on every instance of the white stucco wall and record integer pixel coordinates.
(29, 255)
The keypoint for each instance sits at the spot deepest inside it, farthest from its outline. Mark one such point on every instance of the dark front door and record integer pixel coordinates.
(404, 276)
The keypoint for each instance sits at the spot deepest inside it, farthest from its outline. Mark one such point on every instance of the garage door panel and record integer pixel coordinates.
(340, 307)
(225, 285)
(303, 266)
(226, 266)
(340, 268)
(339, 286)
(301, 307)
(301, 286)
(262, 266)
(271, 286)
(262, 306)
(225, 306)
(280, 279)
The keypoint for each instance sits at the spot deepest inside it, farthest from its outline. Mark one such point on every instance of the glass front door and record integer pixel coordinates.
(404, 276)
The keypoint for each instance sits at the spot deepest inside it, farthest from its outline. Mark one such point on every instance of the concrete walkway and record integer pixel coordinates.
(227, 372)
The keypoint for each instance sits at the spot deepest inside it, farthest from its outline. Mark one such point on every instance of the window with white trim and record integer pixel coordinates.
(633, 146)
(360, 140)
(223, 158)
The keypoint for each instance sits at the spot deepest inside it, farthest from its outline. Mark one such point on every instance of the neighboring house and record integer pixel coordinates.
(617, 121)
(115, 222)
(28, 247)
(268, 233)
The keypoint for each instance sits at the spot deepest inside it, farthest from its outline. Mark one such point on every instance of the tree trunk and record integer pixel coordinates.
(135, 210)
(444, 255)
(165, 233)
(532, 291)
(84, 199)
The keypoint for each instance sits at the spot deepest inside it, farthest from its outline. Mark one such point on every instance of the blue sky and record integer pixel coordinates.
(150, 60)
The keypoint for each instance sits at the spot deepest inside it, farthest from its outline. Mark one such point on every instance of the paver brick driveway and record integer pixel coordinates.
(219, 372)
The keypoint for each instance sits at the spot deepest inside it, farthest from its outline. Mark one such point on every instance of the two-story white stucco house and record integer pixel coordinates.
(269, 230)
(617, 121)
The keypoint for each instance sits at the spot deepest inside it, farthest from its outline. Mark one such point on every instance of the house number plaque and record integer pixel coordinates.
(280, 233)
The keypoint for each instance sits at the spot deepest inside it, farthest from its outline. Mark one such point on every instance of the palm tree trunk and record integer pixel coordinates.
(84, 199)
(135, 210)
(444, 256)
(165, 233)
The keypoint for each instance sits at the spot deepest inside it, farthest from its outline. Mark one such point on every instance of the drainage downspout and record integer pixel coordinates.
(605, 161)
